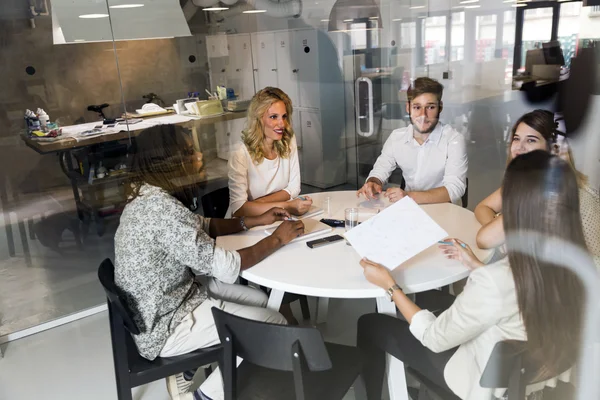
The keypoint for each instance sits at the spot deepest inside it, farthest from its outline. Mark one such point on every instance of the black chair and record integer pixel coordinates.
(508, 367)
(214, 205)
(282, 362)
(131, 369)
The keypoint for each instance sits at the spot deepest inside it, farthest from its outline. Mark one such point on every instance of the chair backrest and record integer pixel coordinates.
(116, 301)
(216, 203)
(510, 366)
(270, 345)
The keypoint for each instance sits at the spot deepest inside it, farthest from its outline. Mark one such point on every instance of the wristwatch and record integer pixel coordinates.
(391, 291)
(243, 224)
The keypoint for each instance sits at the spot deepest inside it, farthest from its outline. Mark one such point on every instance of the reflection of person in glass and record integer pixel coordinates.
(431, 155)
(166, 261)
(523, 297)
(536, 130)
(264, 171)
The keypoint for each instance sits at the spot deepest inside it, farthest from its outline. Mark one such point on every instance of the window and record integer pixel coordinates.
(435, 40)
(457, 37)
(358, 34)
(485, 26)
(408, 35)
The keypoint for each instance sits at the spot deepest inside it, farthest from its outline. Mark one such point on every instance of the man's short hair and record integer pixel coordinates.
(425, 85)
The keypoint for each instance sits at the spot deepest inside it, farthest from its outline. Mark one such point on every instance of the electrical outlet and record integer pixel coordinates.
(447, 75)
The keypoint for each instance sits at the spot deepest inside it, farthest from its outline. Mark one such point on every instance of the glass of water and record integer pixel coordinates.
(351, 217)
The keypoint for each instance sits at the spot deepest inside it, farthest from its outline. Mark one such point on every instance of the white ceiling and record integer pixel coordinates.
(156, 19)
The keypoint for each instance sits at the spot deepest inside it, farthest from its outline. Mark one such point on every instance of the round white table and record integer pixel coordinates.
(334, 270)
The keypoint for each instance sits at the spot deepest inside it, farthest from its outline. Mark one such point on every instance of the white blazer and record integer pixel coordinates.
(485, 313)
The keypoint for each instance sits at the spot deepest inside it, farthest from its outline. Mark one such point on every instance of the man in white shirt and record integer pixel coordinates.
(431, 155)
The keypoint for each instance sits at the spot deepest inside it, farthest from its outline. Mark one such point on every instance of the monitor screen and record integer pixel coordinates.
(553, 54)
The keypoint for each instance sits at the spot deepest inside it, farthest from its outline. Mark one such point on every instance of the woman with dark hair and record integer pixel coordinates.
(523, 297)
(537, 130)
(166, 261)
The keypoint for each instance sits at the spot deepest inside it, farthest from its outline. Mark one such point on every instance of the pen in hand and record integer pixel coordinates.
(464, 246)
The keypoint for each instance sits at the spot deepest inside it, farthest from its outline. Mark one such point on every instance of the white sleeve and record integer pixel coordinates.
(476, 309)
(386, 162)
(293, 187)
(238, 179)
(457, 164)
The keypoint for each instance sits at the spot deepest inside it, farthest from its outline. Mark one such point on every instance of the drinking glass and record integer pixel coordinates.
(351, 218)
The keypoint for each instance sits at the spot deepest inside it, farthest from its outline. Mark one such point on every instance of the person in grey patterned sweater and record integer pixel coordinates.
(166, 262)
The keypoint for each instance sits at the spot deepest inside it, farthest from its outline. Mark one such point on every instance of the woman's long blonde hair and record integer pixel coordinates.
(253, 137)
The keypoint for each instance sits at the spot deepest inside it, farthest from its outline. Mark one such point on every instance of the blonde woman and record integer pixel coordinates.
(264, 171)
(536, 130)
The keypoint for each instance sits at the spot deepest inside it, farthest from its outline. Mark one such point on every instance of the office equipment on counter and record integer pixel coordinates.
(237, 105)
(205, 108)
(312, 227)
(179, 105)
(222, 92)
(396, 234)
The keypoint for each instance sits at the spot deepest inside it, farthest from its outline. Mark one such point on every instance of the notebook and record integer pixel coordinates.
(312, 228)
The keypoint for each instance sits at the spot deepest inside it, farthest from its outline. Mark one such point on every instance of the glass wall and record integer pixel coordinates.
(104, 71)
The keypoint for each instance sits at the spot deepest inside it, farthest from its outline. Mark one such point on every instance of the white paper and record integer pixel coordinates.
(396, 234)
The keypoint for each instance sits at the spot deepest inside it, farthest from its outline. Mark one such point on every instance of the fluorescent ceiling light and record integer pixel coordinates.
(509, 1)
(519, 5)
(127, 6)
(215, 9)
(93, 16)
(373, 17)
(415, 7)
(397, 19)
(469, 1)
(348, 20)
(324, 20)
(253, 11)
(477, 6)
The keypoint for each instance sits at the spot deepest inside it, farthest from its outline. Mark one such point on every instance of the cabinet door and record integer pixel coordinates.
(297, 125)
(263, 56)
(222, 138)
(287, 71)
(239, 73)
(216, 46)
(312, 148)
(235, 128)
(218, 60)
(306, 56)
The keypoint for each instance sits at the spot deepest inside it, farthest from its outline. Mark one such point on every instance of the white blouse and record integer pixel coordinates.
(249, 181)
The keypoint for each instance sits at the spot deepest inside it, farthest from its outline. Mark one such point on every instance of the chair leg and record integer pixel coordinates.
(31, 230)
(25, 243)
(304, 307)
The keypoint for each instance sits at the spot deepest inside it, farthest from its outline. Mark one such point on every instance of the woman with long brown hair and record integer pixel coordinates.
(522, 297)
(167, 265)
(264, 171)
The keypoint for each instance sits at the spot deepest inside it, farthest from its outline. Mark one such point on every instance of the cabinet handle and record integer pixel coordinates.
(295, 70)
(228, 133)
(255, 69)
(237, 70)
(274, 69)
(223, 70)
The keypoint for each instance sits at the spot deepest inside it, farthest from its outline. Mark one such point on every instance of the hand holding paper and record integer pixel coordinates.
(396, 234)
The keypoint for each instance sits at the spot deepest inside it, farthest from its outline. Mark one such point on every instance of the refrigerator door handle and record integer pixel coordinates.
(360, 102)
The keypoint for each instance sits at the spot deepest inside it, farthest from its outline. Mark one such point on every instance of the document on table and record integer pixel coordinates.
(396, 234)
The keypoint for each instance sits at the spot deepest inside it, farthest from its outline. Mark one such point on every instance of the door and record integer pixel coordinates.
(312, 148)
(218, 60)
(264, 60)
(306, 56)
(240, 76)
(287, 71)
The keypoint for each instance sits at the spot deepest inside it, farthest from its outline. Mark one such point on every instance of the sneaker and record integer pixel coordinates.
(178, 386)
(198, 395)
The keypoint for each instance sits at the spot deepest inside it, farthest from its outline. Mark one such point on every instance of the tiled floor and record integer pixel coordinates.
(74, 361)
